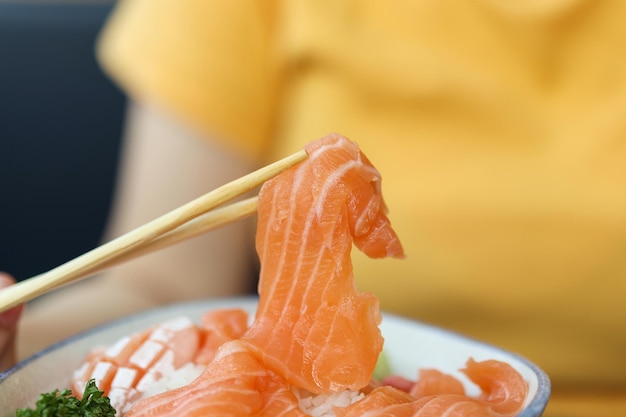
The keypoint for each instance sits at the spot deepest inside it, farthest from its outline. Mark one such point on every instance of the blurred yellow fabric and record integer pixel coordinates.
(499, 128)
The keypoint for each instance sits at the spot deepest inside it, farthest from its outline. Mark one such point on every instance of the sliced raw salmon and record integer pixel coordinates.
(132, 364)
(503, 388)
(234, 384)
(312, 326)
(129, 367)
(437, 394)
(220, 326)
(313, 329)
(435, 382)
(379, 401)
(278, 399)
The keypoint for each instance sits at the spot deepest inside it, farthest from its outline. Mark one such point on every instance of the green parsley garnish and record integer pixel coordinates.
(64, 404)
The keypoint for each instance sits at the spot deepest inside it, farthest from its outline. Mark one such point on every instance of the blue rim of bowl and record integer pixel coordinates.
(533, 409)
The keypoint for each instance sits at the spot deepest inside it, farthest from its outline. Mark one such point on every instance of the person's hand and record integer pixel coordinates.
(8, 328)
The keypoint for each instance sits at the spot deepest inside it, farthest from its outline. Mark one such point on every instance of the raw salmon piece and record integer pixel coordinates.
(219, 327)
(377, 401)
(228, 323)
(313, 329)
(146, 355)
(121, 351)
(103, 373)
(125, 378)
(122, 387)
(398, 382)
(312, 326)
(180, 335)
(164, 366)
(448, 405)
(503, 394)
(81, 375)
(278, 399)
(503, 388)
(234, 384)
(385, 402)
(434, 382)
(229, 386)
(128, 367)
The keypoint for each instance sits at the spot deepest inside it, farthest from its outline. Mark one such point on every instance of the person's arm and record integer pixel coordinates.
(164, 165)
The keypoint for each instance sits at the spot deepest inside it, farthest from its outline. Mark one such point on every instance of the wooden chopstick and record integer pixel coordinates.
(148, 237)
(206, 222)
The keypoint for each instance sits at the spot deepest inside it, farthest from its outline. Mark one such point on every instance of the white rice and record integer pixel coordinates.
(178, 378)
(322, 405)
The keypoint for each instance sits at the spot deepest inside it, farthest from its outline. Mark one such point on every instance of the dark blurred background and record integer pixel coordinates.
(60, 127)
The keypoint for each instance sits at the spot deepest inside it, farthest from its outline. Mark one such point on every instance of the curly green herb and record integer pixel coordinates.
(63, 404)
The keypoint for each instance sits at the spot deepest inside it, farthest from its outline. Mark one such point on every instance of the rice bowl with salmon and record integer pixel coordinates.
(409, 346)
(314, 341)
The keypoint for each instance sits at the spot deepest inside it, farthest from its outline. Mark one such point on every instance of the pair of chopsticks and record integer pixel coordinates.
(187, 221)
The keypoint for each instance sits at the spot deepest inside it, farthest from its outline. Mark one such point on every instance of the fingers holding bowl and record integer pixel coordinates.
(8, 327)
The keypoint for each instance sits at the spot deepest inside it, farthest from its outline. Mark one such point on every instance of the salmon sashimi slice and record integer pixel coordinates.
(435, 382)
(377, 404)
(313, 329)
(503, 388)
(312, 325)
(279, 399)
(150, 354)
(220, 326)
(234, 384)
(435, 394)
(125, 369)
(444, 405)
(378, 401)
(121, 351)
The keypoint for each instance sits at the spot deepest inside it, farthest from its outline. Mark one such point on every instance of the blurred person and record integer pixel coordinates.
(499, 129)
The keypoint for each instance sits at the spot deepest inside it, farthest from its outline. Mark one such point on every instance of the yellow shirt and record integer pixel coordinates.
(499, 128)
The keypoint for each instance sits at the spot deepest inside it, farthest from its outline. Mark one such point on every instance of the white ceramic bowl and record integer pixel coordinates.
(409, 346)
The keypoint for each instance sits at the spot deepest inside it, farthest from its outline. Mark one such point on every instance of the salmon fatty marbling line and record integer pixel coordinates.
(315, 338)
